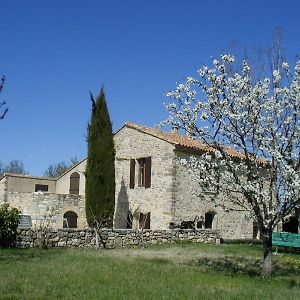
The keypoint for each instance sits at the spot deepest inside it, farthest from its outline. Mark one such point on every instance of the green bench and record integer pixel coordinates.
(285, 239)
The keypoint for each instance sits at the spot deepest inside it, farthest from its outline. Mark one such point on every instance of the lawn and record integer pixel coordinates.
(178, 271)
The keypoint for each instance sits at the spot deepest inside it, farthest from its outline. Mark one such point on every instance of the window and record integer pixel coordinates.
(41, 188)
(200, 223)
(70, 219)
(255, 230)
(74, 183)
(143, 174)
(142, 169)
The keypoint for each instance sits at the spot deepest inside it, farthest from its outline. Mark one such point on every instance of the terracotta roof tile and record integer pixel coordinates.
(182, 142)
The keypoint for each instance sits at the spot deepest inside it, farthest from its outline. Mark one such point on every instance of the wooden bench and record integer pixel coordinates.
(285, 239)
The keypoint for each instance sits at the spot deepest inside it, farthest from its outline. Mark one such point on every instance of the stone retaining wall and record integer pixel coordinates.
(112, 238)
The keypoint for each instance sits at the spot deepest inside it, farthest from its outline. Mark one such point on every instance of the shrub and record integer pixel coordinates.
(9, 220)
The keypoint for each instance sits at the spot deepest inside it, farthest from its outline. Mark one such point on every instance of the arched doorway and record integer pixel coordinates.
(290, 225)
(129, 220)
(144, 221)
(70, 219)
(74, 183)
(209, 220)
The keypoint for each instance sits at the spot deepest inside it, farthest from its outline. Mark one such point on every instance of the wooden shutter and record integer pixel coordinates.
(74, 183)
(147, 222)
(132, 173)
(148, 172)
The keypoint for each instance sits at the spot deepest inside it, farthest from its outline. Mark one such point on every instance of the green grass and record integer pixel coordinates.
(178, 271)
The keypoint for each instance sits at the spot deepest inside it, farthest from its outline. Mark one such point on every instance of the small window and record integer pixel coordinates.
(74, 183)
(70, 219)
(41, 188)
(199, 224)
(255, 230)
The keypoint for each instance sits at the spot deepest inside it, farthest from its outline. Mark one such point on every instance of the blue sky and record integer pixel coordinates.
(53, 53)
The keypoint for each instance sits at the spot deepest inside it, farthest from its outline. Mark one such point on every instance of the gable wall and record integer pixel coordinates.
(190, 202)
(63, 183)
(131, 143)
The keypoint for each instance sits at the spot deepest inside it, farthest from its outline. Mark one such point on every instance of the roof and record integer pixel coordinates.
(25, 176)
(184, 143)
(71, 168)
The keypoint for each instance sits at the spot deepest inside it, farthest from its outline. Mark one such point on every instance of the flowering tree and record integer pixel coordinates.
(250, 130)
(2, 103)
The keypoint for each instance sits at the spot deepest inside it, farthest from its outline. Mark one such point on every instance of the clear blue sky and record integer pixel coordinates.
(54, 52)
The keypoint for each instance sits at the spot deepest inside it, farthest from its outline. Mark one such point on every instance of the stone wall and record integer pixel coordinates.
(174, 195)
(191, 202)
(3, 189)
(133, 144)
(114, 238)
(47, 207)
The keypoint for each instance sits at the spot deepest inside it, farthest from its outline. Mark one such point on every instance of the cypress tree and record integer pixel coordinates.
(100, 169)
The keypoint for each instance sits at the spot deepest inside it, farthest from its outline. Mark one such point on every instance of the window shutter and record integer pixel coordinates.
(148, 172)
(132, 173)
(147, 222)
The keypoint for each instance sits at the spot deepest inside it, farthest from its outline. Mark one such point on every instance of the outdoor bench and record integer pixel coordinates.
(286, 239)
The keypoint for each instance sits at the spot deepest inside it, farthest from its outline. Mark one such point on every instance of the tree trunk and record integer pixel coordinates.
(266, 271)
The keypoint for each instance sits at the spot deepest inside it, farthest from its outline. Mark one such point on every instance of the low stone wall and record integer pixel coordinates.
(112, 238)
(48, 206)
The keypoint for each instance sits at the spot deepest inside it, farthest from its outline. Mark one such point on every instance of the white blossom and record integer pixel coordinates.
(227, 58)
(259, 120)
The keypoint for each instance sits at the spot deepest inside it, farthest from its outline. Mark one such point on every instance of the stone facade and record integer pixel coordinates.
(133, 144)
(114, 238)
(49, 208)
(48, 200)
(173, 197)
(192, 204)
(153, 189)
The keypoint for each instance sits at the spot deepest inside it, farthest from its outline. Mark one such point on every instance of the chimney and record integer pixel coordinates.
(189, 131)
(174, 129)
(188, 134)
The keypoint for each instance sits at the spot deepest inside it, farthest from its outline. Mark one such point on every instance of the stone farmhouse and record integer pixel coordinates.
(59, 201)
(153, 189)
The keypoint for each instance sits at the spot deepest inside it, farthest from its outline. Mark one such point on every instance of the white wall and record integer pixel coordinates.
(63, 182)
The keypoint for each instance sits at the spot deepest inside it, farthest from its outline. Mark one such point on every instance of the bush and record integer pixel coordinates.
(9, 220)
